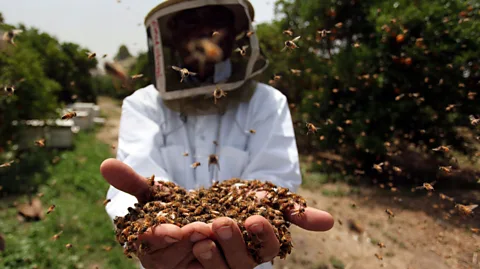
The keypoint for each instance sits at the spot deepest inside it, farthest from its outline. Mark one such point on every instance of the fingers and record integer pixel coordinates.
(124, 178)
(312, 219)
(208, 256)
(179, 253)
(263, 230)
(228, 235)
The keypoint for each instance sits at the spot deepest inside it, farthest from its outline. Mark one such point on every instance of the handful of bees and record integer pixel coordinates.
(234, 198)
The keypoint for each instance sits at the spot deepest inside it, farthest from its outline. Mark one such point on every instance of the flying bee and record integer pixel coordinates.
(69, 115)
(471, 95)
(442, 148)
(104, 56)
(446, 169)
(427, 186)
(91, 55)
(378, 167)
(183, 72)
(50, 209)
(475, 230)
(311, 128)
(390, 213)
(56, 236)
(10, 36)
(288, 32)
(444, 197)
(185, 154)
(195, 164)
(474, 121)
(323, 33)
(296, 71)
(465, 210)
(217, 94)
(68, 246)
(250, 33)
(242, 50)
(7, 164)
(137, 76)
(106, 201)
(9, 90)
(40, 142)
(450, 107)
(213, 159)
(380, 257)
(252, 131)
(290, 44)
(397, 169)
(381, 245)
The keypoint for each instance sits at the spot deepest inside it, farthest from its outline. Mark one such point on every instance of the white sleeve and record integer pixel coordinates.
(273, 154)
(136, 149)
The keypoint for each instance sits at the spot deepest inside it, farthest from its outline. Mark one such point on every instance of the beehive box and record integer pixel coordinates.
(59, 134)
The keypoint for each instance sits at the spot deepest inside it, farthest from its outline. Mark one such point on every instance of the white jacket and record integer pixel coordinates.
(153, 140)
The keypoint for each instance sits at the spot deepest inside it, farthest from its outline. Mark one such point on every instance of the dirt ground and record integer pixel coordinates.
(419, 236)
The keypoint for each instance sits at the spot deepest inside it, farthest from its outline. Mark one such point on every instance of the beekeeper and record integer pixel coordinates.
(203, 102)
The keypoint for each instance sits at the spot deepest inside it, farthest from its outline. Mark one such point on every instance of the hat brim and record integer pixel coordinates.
(242, 21)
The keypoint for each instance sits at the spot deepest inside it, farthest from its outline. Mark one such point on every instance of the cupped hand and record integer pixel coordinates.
(169, 246)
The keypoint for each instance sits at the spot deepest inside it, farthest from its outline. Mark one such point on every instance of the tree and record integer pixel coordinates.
(122, 53)
(387, 78)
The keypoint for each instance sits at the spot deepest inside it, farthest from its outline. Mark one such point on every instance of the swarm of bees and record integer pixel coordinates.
(232, 198)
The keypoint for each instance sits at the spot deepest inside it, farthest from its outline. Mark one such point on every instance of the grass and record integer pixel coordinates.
(77, 189)
(336, 263)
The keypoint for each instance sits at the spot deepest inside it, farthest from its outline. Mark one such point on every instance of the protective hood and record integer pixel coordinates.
(174, 83)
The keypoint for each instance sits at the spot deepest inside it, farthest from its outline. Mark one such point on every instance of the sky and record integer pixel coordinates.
(99, 25)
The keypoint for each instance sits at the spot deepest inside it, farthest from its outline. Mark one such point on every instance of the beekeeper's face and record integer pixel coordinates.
(193, 24)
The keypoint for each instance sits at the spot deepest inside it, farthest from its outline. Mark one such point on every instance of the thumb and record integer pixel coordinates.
(124, 178)
(312, 219)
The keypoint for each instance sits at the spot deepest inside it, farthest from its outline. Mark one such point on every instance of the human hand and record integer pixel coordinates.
(169, 246)
(231, 251)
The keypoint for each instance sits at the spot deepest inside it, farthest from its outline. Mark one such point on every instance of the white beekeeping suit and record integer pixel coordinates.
(160, 134)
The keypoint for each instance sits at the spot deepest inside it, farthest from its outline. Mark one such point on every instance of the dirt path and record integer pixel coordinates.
(418, 237)
(111, 109)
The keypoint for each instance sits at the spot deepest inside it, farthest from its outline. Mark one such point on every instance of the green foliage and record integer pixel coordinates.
(386, 72)
(122, 53)
(79, 213)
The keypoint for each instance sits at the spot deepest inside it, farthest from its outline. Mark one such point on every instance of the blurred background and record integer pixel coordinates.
(390, 86)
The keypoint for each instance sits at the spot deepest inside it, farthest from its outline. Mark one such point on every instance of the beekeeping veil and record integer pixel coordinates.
(193, 96)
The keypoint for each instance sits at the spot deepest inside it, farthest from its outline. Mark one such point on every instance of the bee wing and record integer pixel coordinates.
(192, 73)
(296, 38)
(245, 47)
(176, 68)
(17, 31)
(471, 207)
(238, 49)
(284, 48)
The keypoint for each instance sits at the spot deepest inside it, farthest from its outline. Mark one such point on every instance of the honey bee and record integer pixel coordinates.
(450, 107)
(250, 33)
(10, 36)
(7, 164)
(276, 77)
(311, 128)
(378, 167)
(50, 209)
(9, 90)
(185, 154)
(40, 142)
(381, 245)
(356, 45)
(69, 115)
(400, 96)
(56, 236)
(290, 44)
(217, 94)
(471, 95)
(339, 25)
(397, 169)
(242, 50)
(288, 32)
(378, 256)
(446, 169)
(195, 164)
(213, 159)
(323, 33)
(183, 72)
(442, 148)
(444, 197)
(106, 201)
(107, 248)
(474, 121)
(390, 213)
(300, 211)
(91, 55)
(475, 230)
(296, 71)
(104, 56)
(68, 246)
(252, 131)
(427, 186)
(137, 76)
(465, 210)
